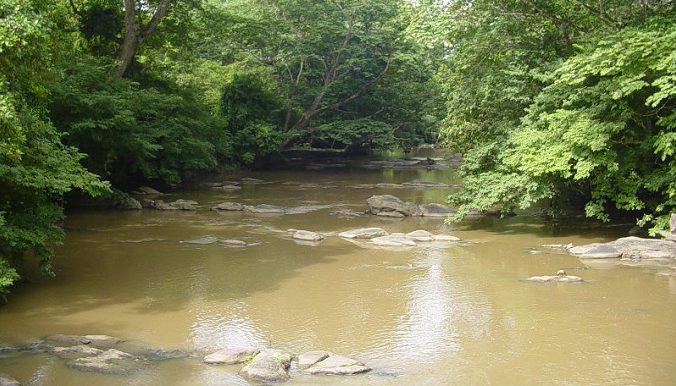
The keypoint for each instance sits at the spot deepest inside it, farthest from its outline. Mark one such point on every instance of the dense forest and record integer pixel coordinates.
(565, 102)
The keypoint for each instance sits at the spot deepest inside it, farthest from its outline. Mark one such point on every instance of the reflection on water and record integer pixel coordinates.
(434, 314)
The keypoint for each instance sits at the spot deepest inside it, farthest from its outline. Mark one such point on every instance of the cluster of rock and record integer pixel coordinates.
(208, 240)
(273, 365)
(234, 185)
(391, 206)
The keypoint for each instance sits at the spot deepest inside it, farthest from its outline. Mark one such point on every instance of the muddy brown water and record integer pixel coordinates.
(456, 314)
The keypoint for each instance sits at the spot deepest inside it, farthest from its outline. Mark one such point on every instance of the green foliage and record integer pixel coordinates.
(133, 134)
(602, 130)
(354, 134)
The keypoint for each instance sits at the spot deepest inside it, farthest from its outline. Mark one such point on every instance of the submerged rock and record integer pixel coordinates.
(201, 241)
(229, 206)
(254, 181)
(306, 235)
(7, 380)
(231, 356)
(337, 365)
(363, 233)
(268, 366)
(346, 213)
(98, 341)
(265, 208)
(303, 209)
(445, 238)
(108, 362)
(560, 277)
(425, 184)
(234, 243)
(228, 188)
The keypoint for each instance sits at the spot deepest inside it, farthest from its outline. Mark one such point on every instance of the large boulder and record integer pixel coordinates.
(6, 380)
(636, 247)
(337, 365)
(229, 206)
(306, 235)
(363, 233)
(268, 366)
(231, 356)
(97, 341)
(128, 203)
(391, 206)
(108, 362)
(185, 204)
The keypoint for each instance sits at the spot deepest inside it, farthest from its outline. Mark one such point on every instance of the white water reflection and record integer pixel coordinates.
(232, 329)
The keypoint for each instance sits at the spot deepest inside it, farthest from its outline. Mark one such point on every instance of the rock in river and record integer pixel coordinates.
(393, 241)
(265, 208)
(6, 380)
(595, 251)
(231, 356)
(229, 206)
(336, 365)
(308, 359)
(420, 235)
(560, 277)
(306, 235)
(435, 210)
(98, 341)
(391, 206)
(363, 233)
(77, 351)
(201, 241)
(268, 366)
(108, 362)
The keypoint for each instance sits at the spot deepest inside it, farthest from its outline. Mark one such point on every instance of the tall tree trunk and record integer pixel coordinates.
(135, 34)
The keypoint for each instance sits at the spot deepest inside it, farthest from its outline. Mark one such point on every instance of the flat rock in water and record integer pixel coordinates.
(268, 366)
(306, 209)
(77, 351)
(420, 235)
(435, 210)
(337, 365)
(306, 235)
(265, 208)
(595, 251)
(393, 241)
(308, 359)
(108, 362)
(363, 233)
(228, 188)
(254, 181)
(231, 356)
(201, 241)
(229, 206)
(556, 279)
(98, 341)
(386, 185)
(6, 380)
(346, 213)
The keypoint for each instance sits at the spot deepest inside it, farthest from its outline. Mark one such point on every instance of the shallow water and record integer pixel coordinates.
(430, 315)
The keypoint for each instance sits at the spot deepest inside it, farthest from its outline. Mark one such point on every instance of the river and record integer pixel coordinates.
(434, 314)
